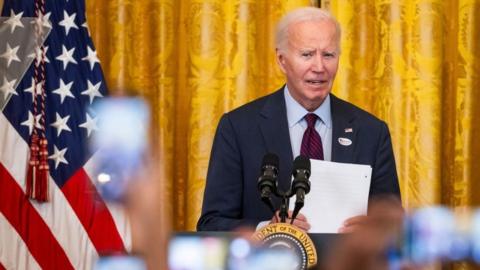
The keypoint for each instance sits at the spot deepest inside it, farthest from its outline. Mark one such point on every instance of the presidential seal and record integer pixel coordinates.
(286, 236)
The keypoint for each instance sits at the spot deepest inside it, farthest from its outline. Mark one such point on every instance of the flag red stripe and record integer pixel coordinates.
(21, 214)
(93, 214)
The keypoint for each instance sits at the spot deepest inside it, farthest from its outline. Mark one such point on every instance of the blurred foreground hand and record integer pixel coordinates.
(370, 238)
(150, 217)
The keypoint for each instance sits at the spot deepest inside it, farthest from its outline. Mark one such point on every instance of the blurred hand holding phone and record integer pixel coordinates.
(215, 251)
(120, 144)
(441, 234)
(125, 174)
(417, 239)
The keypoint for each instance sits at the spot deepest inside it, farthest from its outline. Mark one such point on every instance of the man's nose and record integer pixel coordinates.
(318, 65)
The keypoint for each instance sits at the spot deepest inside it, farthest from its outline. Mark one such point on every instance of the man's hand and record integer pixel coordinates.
(300, 221)
(353, 224)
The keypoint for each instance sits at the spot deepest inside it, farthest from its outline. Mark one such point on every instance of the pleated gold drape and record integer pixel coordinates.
(413, 63)
(192, 60)
(416, 65)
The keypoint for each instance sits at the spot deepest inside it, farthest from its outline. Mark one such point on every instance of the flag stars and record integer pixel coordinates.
(10, 55)
(31, 121)
(68, 22)
(64, 91)
(59, 156)
(92, 91)
(8, 87)
(14, 21)
(91, 57)
(61, 124)
(66, 57)
(90, 124)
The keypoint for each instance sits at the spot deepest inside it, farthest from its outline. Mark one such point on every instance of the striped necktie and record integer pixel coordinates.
(311, 142)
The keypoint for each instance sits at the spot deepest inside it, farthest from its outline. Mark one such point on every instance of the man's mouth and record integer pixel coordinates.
(317, 81)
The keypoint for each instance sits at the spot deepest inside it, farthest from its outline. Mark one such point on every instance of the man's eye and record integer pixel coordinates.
(329, 55)
(307, 54)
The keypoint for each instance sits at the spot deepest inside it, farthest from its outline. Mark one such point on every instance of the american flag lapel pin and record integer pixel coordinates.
(348, 130)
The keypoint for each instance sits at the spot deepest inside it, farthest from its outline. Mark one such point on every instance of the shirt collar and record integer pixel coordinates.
(296, 112)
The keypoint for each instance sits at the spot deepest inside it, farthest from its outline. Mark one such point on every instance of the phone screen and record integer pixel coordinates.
(120, 263)
(119, 144)
(437, 234)
(223, 251)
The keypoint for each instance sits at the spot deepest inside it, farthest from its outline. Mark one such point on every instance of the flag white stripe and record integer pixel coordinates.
(57, 213)
(14, 253)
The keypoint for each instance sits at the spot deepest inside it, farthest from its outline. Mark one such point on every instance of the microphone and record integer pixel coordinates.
(300, 184)
(267, 182)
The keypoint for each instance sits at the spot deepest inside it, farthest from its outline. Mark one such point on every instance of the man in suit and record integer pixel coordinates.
(308, 50)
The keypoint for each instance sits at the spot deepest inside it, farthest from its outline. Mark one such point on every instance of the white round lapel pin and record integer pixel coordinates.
(344, 141)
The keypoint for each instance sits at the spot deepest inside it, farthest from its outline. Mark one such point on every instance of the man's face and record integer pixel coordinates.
(310, 61)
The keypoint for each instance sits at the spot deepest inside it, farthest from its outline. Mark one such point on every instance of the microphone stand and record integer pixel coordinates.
(284, 209)
(284, 196)
(300, 163)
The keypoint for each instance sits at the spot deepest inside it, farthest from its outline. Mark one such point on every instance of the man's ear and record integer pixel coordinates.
(280, 59)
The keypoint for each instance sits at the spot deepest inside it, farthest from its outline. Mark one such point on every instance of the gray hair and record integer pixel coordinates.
(301, 15)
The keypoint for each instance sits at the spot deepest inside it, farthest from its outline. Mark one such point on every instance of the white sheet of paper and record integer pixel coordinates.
(338, 191)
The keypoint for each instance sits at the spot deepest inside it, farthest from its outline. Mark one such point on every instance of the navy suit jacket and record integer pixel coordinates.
(247, 133)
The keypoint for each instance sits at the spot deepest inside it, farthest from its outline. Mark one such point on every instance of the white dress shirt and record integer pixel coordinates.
(297, 124)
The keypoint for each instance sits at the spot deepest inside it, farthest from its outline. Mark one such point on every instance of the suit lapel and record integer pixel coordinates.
(274, 129)
(344, 131)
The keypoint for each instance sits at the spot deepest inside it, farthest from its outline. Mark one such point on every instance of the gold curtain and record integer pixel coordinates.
(192, 60)
(416, 64)
(413, 63)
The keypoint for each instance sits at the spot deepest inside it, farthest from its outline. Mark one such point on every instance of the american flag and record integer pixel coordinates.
(75, 225)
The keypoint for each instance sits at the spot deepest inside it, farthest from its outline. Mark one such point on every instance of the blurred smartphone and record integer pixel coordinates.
(120, 144)
(120, 263)
(200, 251)
(263, 258)
(434, 234)
(197, 252)
(475, 236)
